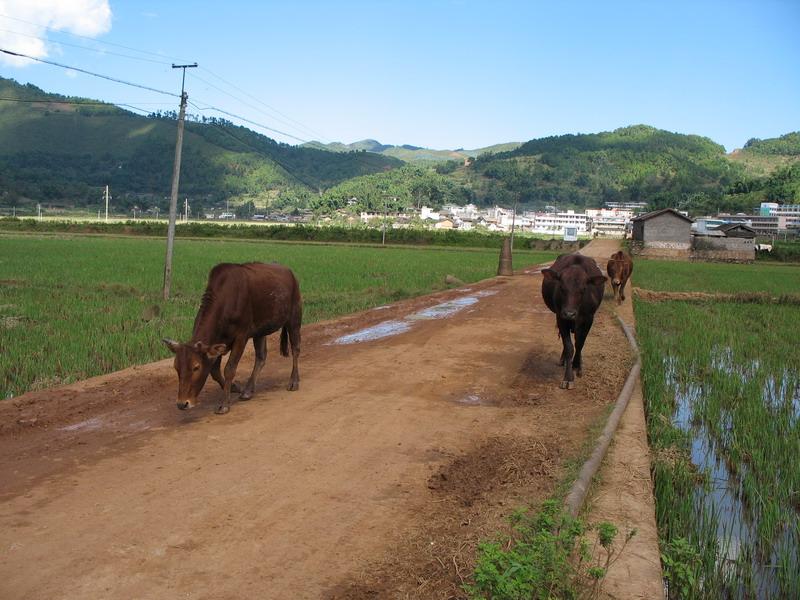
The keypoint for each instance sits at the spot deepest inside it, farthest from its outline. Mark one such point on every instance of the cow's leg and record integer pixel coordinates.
(581, 332)
(565, 330)
(230, 372)
(260, 345)
(216, 375)
(622, 290)
(615, 287)
(294, 339)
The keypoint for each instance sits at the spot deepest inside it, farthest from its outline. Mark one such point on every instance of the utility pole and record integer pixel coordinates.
(176, 175)
(106, 203)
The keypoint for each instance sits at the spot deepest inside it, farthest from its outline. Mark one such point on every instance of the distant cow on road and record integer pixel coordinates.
(619, 269)
(241, 302)
(573, 289)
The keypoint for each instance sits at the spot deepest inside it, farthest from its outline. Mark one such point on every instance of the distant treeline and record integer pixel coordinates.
(297, 233)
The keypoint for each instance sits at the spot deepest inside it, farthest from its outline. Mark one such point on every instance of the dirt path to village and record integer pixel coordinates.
(375, 480)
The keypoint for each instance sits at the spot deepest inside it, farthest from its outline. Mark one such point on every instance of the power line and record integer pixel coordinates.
(261, 125)
(242, 101)
(261, 151)
(79, 102)
(114, 79)
(86, 37)
(308, 129)
(144, 111)
(108, 52)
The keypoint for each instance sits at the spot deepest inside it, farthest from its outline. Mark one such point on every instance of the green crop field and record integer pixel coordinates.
(722, 390)
(74, 307)
(717, 277)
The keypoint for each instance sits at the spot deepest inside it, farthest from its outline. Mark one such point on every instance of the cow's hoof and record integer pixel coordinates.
(246, 396)
(293, 386)
(222, 410)
(567, 385)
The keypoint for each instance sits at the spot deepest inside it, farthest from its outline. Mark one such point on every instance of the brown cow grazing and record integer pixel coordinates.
(619, 269)
(241, 302)
(573, 289)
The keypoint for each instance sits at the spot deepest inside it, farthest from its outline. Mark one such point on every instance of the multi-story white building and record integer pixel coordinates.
(608, 222)
(468, 211)
(555, 223)
(788, 214)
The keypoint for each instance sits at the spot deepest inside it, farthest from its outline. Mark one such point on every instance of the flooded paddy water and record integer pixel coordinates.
(722, 385)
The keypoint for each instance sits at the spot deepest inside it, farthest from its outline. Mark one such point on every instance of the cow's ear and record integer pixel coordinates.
(550, 275)
(216, 350)
(171, 344)
(598, 280)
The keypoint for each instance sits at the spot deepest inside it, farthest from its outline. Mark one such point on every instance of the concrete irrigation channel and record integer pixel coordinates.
(376, 479)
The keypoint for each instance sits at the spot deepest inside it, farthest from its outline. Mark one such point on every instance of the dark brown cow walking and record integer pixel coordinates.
(619, 269)
(245, 301)
(573, 289)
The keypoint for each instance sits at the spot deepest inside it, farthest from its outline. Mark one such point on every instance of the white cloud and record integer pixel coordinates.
(32, 17)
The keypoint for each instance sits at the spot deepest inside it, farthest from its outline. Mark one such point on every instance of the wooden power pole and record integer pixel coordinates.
(176, 175)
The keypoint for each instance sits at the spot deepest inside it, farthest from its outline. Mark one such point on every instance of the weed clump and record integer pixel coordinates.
(549, 555)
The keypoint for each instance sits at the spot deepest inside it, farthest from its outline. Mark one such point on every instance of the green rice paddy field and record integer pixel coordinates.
(722, 391)
(75, 307)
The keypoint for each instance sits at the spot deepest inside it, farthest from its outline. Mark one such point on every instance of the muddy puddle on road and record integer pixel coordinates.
(398, 326)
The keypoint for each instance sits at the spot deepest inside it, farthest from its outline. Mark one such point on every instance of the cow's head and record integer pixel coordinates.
(193, 363)
(571, 285)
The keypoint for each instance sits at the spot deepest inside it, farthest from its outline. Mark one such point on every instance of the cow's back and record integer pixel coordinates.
(620, 265)
(246, 299)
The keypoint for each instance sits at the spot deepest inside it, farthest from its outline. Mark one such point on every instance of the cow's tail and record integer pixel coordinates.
(285, 341)
(294, 319)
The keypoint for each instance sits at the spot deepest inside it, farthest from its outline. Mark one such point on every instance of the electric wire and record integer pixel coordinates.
(289, 171)
(249, 105)
(275, 110)
(108, 77)
(144, 111)
(99, 51)
(86, 37)
(246, 120)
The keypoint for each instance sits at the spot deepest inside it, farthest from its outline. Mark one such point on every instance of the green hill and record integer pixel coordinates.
(64, 150)
(411, 154)
(630, 164)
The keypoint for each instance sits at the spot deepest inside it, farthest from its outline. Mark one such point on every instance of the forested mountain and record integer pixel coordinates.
(60, 150)
(412, 154)
(64, 150)
(631, 164)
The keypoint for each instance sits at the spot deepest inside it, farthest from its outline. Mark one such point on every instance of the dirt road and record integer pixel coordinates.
(376, 479)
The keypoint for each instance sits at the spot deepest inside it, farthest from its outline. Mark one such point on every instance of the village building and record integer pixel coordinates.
(444, 224)
(608, 222)
(730, 242)
(664, 233)
(556, 223)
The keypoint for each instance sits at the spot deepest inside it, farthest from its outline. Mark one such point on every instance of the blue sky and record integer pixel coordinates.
(440, 74)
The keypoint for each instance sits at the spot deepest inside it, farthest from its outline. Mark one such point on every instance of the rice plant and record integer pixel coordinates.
(722, 390)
